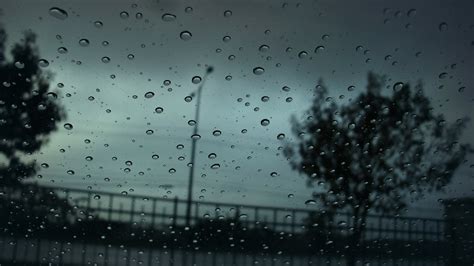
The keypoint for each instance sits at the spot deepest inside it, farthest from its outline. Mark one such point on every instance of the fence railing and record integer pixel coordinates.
(383, 233)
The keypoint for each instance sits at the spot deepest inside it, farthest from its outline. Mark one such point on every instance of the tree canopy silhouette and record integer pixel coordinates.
(375, 153)
(29, 112)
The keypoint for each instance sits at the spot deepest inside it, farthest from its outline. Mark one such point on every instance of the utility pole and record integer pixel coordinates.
(193, 148)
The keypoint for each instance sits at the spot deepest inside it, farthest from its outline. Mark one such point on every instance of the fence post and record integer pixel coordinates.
(175, 212)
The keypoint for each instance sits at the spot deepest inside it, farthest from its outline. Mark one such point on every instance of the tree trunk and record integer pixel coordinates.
(355, 249)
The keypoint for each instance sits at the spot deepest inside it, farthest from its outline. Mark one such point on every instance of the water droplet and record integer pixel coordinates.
(62, 50)
(192, 122)
(128, 163)
(398, 86)
(43, 63)
(68, 126)
(58, 13)
(281, 136)
(105, 59)
(96, 197)
(310, 202)
(443, 75)
(185, 35)
(98, 24)
(89, 158)
(273, 174)
(291, 196)
(188, 10)
(45, 165)
(188, 99)
(411, 12)
(19, 65)
(196, 79)
(227, 13)
(226, 39)
(443, 26)
(265, 122)
(149, 94)
(84, 42)
(70, 172)
(258, 70)
(215, 166)
(155, 156)
(124, 14)
(149, 132)
(351, 88)
(302, 54)
(212, 156)
(168, 17)
(319, 49)
(265, 99)
(264, 48)
(216, 133)
(159, 110)
(130, 56)
(138, 15)
(172, 171)
(195, 136)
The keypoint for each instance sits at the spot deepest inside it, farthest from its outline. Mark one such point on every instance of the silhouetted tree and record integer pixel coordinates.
(29, 112)
(375, 153)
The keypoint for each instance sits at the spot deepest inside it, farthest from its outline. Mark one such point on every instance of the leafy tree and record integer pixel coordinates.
(29, 112)
(375, 153)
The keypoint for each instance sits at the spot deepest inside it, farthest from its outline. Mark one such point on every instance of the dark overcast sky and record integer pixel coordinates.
(406, 40)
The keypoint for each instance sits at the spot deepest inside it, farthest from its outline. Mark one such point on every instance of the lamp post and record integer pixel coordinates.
(194, 139)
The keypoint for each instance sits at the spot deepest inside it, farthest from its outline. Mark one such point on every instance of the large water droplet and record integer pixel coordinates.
(68, 126)
(302, 54)
(263, 48)
(168, 17)
(84, 42)
(319, 49)
(43, 63)
(98, 24)
(443, 26)
(196, 79)
(258, 70)
(216, 133)
(62, 50)
(149, 94)
(398, 86)
(265, 122)
(58, 13)
(124, 14)
(185, 35)
(215, 166)
(227, 13)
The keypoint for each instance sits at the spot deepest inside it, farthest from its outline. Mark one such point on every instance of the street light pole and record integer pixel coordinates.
(194, 139)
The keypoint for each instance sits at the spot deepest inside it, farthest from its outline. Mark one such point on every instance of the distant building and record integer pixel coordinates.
(459, 230)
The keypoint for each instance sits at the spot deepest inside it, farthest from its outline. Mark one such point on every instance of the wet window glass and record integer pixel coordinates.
(312, 132)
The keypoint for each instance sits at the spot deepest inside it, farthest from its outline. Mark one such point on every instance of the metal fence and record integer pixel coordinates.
(404, 238)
